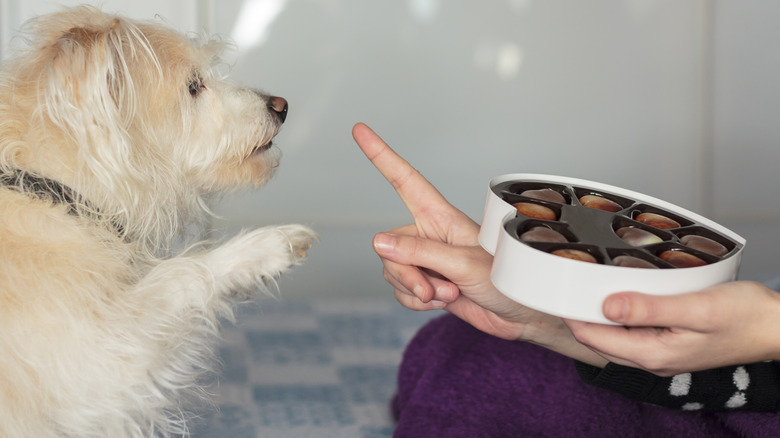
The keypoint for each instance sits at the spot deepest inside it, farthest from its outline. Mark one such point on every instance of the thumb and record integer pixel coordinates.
(642, 310)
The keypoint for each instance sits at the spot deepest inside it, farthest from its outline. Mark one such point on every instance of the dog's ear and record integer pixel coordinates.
(88, 69)
(83, 36)
(89, 93)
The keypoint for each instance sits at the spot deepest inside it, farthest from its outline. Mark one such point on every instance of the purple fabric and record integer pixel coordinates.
(455, 381)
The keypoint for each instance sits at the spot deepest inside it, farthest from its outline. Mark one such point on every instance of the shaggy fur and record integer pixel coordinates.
(104, 332)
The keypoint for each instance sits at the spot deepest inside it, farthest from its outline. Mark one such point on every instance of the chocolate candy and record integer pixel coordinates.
(600, 203)
(704, 244)
(681, 259)
(637, 236)
(543, 234)
(575, 254)
(638, 225)
(657, 221)
(633, 262)
(545, 195)
(536, 211)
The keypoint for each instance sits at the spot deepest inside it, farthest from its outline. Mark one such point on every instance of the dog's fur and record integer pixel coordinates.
(104, 331)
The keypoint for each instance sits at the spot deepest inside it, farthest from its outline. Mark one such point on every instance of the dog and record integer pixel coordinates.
(115, 134)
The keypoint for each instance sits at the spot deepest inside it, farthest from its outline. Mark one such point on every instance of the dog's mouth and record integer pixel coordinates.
(260, 148)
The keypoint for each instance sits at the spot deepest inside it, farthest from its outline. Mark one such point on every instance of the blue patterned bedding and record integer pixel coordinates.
(322, 368)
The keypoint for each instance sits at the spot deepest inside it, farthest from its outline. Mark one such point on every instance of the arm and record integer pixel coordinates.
(728, 324)
(436, 262)
(686, 351)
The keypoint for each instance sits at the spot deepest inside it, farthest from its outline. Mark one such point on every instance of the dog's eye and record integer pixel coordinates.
(195, 85)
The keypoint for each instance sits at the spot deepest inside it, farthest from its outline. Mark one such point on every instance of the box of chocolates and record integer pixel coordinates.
(561, 245)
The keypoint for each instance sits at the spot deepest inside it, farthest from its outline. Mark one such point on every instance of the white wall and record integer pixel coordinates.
(182, 14)
(673, 98)
(470, 90)
(745, 128)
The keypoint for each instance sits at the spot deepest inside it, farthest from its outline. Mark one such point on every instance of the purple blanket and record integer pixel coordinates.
(456, 381)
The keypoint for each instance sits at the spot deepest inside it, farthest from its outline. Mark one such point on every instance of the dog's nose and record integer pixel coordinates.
(279, 106)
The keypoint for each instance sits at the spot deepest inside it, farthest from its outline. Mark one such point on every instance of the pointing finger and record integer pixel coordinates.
(415, 191)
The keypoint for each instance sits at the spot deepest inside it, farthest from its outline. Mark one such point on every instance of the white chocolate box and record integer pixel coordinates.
(530, 275)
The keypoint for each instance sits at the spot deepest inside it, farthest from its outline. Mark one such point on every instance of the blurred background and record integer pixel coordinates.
(677, 99)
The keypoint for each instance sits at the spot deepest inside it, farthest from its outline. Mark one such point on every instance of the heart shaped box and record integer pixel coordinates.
(529, 274)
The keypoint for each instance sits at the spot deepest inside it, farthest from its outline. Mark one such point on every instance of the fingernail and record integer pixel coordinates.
(445, 293)
(438, 304)
(384, 242)
(418, 291)
(616, 309)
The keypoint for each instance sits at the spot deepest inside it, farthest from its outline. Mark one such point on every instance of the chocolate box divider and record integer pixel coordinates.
(631, 208)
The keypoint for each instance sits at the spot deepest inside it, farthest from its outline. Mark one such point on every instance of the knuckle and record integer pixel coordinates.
(639, 309)
(581, 336)
(399, 180)
(414, 248)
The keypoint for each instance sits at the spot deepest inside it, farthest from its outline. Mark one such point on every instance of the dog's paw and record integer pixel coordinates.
(300, 238)
(260, 255)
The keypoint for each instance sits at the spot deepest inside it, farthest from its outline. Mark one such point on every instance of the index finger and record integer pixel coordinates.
(415, 191)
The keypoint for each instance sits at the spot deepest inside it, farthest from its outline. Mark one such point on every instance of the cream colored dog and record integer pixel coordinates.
(113, 133)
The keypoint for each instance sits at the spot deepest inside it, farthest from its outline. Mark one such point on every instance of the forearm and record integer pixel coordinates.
(552, 334)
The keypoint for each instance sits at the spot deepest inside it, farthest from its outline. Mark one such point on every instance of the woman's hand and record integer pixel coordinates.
(434, 219)
(437, 262)
(728, 324)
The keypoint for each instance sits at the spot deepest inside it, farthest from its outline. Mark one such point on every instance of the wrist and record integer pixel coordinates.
(771, 333)
(552, 333)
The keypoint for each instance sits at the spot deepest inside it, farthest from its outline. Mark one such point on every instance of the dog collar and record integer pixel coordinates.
(41, 187)
(46, 188)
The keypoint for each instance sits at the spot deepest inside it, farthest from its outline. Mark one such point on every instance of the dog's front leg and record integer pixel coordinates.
(182, 299)
(250, 260)
(238, 269)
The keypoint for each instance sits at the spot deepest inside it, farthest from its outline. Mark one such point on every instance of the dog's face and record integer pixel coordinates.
(226, 130)
(131, 103)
